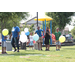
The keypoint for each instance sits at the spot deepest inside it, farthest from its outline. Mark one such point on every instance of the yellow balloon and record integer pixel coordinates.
(5, 32)
(62, 39)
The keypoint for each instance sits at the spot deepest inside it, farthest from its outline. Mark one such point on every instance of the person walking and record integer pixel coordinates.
(38, 31)
(15, 37)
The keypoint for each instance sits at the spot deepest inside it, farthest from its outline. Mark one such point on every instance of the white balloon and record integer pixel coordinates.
(26, 30)
(22, 33)
(23, 38)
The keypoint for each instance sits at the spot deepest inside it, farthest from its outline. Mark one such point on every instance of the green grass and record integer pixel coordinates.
(66, 54)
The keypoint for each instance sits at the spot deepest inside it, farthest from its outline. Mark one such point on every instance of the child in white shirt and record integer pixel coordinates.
(31, 41)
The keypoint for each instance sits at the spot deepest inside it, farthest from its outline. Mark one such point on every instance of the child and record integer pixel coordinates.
(31, 40)
(4, 44)
(57, 35)
(38, 31)
(47, 37)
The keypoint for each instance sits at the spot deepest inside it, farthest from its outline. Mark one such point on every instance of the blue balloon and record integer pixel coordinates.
(27, 33)
(35, 37)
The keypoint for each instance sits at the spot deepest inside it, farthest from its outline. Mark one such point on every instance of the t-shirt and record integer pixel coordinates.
(3, 38)
(47, 35)
(57, 35)
(15, 31)
(31, 38)
(39, 32)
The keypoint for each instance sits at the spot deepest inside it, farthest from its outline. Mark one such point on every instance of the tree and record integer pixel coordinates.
(60, 19)
(31, 27)
(73, 32)
(5, 17)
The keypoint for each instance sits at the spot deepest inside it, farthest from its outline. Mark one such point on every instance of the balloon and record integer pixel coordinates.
(62, 39)
(5, 32)
(27, 33)
(22, 33)
(43, 37)
(26, 30)
(33, 41)
(36, 37)
(53, 36)
(23, 38)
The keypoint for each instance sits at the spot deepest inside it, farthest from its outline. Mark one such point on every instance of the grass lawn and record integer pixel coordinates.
(66, 54)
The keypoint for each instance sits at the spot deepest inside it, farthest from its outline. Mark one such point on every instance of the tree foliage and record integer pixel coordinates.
(30, 27)
(60, 19)
(7, 19)
(73, 32)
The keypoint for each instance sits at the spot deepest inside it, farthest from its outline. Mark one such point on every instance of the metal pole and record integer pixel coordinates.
(51, 32)
(45, 25)
(43, 32)
(37, 19)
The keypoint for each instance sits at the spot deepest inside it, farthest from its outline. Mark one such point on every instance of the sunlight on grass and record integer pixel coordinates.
(66, 54)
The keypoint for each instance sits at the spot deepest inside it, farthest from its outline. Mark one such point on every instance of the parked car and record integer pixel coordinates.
(69, 38)
(73, 40)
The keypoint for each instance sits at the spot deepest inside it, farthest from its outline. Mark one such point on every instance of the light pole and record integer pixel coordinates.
(37, 19)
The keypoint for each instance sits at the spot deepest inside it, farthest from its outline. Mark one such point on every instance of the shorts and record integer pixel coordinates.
(3, 44)
(40, 40)
(58, 43)
(47, 41)
(31, 43)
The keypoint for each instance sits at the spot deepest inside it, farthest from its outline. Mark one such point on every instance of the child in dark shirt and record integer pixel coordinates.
(47, 37)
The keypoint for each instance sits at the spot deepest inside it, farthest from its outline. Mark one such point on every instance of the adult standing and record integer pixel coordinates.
(15, 37)
(47, 38)
(38, 31)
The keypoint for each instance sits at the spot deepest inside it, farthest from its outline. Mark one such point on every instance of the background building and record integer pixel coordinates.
(30, 22)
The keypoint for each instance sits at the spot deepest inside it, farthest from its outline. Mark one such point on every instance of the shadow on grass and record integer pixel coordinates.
(68, 48)
(27, 52)
(24, 53)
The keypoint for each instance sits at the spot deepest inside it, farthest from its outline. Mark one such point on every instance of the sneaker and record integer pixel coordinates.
(2, 53)
(56, 49)
(41, 50)
(15, 50)
(5, 53)
(46, 49)
(18, 51)
(38, 49)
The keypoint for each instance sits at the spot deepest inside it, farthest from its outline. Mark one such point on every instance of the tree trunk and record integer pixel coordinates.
(1, 29)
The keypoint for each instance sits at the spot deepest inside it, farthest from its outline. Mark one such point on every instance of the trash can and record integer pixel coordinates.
(23, 45)
(8, 45)
(36, 46)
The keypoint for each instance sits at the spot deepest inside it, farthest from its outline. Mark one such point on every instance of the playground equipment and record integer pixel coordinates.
(44, 19)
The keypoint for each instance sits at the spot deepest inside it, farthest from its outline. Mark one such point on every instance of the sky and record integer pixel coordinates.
(41, 14)
(33, 14)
